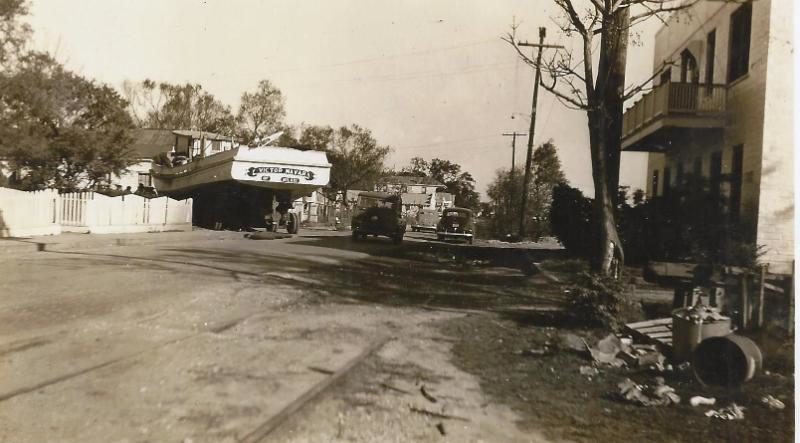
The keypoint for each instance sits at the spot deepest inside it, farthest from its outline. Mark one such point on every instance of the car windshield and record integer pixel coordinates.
(373, 202)
(455, 214)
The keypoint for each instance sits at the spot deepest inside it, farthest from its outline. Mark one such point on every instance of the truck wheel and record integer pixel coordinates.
(356, 235)
(292, 225)
(470, 240)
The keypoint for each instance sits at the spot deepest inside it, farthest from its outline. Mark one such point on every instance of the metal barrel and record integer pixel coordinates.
(726, 361)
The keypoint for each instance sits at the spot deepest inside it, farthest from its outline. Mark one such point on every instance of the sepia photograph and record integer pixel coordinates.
(397, 221)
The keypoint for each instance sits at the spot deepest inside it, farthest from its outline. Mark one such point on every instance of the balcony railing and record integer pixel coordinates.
(674, 99)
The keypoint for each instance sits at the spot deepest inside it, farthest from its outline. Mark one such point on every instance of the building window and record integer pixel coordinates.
(145, 179)
(711, 43)
(739, 47)
(654, 191)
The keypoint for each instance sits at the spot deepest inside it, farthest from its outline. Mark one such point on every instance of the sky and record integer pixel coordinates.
(430, 78)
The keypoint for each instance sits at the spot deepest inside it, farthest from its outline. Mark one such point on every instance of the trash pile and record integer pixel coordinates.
(700, 314)
(619, 352)
(615, 351)
(732, 412)
(658, 395)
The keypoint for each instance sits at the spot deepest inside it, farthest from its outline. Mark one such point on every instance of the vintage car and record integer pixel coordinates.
(425, 220)
(378, 213)
(456, 223)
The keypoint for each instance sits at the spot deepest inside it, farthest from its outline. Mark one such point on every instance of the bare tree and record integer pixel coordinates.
(593, 80)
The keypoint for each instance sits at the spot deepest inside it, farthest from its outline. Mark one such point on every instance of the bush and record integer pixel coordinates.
(571, 220)
(689, 224)
(599, 301)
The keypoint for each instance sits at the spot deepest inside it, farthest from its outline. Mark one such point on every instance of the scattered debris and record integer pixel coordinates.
(427, 396)
(436, 414)
(532, 352)
(700, 314)
(574, 343)
(732, 412)
(773, 403)
(321, 370)
(606, 350)
(394, 388)
(659, 395)
(440, 428)
(589, 370)
(618, 352)
(699, 400)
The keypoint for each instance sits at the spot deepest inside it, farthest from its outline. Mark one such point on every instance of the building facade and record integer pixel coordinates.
(722, 109)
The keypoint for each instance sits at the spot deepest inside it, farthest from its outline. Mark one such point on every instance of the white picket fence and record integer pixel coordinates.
(47, 212)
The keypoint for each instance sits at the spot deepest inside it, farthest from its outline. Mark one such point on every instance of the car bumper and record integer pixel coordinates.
(454, 234)
(424, 228)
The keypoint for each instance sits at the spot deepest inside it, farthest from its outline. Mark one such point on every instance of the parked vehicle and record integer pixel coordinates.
(456, 223)
(426, 220)
(378, 213)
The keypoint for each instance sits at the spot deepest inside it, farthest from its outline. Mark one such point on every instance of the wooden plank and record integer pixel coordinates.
(658, 335)
(644, 324)
(655, 328)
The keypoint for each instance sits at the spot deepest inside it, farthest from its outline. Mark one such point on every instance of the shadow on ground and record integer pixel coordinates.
(414, 274)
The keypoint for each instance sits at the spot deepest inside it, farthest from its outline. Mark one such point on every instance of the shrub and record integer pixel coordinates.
(570, 219)
(689, 224)
(598, 301)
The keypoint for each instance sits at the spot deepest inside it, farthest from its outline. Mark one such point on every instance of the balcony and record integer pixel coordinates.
(671, 113)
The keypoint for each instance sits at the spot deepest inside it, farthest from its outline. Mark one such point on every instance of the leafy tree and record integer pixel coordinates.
(168, 106)
(417, 167)
(58, 129)
(356, 157)
(507, 186)
(14, 33)
(261, 112)
(318, 138)
(593, 80)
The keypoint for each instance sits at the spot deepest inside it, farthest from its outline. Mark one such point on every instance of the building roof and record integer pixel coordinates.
(147, 143)
(409, 180)
(381, 195)
(197, 134)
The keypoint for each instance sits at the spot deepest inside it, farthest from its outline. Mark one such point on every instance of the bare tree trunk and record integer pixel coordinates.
(607, 255)
(611, 71)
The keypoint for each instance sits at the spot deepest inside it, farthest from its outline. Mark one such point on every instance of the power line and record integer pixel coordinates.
(449, 142)
(391, 56)
(415, 75)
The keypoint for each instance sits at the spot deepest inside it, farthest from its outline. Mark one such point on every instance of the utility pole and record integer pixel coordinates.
(527, 178)
(513, 136)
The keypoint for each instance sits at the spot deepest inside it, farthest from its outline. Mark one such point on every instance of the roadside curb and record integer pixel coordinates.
(11, 247)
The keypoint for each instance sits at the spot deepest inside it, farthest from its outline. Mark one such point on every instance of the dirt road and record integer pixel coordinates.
(211, 339)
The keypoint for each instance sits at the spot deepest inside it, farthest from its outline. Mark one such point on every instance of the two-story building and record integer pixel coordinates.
(416, 192)
(722, 109)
